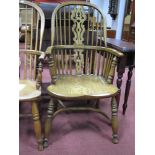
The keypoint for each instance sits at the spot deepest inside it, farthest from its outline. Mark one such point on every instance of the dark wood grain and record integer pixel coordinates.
(128, 49)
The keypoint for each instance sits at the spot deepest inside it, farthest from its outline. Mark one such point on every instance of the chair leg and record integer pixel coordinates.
(114, 120)
(37, 125)
(50, 113)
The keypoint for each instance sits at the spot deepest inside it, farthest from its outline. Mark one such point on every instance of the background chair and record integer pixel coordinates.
(32, 23)
(81, 67)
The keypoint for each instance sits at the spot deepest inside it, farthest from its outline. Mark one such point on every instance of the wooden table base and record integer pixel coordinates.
(127, 89)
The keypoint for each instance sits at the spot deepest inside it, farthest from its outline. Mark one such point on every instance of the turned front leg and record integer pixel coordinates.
(114, 121)
(37, 125)
(50, 113)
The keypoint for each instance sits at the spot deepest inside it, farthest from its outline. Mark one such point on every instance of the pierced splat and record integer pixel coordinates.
(78, 17)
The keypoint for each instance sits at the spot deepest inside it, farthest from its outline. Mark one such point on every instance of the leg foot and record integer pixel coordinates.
(45, 143)
(50, 113)
(115, 139)
(37, 125)
(40, 146)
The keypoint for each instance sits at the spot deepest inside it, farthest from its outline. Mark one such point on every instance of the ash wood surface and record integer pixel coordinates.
(31, 29)
(80, 65)
(88, 87)
(29, 91)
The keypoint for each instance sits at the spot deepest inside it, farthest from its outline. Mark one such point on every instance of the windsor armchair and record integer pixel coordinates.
(81, 67)
(32, 28)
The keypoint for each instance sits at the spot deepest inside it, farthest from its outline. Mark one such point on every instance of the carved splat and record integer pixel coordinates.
(78, 17)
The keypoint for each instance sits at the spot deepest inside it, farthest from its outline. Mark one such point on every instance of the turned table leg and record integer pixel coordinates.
(127, 90)
(120, 72)
(37, 125)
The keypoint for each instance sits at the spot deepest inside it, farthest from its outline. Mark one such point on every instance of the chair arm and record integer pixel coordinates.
(33, 52)
(110, 50)
(49, 50)
(113, 51)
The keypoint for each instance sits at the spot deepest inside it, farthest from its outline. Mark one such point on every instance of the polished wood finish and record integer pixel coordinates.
(28, 90)
(114, 120)
(48, 9)
(120, 72)
(31, 57)
(37, 125)
(111, 33)
(128, 49)
(81, 87)
(50, 113)
(81, 67)
(128, 84)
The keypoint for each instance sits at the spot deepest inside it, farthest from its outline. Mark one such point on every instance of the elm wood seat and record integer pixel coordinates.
(81, 68)
(30, 69)
(81, 86)
(28, 90)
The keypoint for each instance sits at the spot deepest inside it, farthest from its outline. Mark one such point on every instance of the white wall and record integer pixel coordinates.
(116, 24)
(120, 16)
(103, 6)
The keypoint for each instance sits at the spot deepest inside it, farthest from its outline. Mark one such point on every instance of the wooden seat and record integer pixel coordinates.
(81, 67)
(83, 86)
(32, 23)
(28, 90)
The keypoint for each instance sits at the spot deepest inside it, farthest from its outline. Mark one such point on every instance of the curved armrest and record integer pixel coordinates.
(113, 51)
(109, 74)
(110, 50)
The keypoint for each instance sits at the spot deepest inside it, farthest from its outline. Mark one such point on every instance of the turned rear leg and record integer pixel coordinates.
(37, 125)
(114, 121)
(50, 112)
